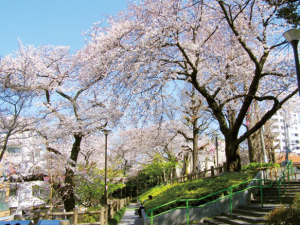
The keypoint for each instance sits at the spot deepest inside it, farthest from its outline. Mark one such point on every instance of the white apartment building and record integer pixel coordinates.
(285, 126)
(19, 158)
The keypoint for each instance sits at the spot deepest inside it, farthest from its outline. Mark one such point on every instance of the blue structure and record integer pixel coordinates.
(16, 222)
(48, 222)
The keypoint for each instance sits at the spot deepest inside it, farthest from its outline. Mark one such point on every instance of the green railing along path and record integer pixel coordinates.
(186, 202)
(285, 174)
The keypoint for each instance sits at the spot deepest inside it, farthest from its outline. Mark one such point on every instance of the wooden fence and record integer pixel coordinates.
(213, 171)
(103, 216)
(115, 205)
(105, 212)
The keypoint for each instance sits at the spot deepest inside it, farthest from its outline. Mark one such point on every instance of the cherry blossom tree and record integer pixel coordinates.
(230, 52)
(71, 99)
(197, 119)
(138, 147)
(13, 106)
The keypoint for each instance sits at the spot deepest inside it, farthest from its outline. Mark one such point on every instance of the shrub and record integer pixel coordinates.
(117, 218)
(85, 218)
(286, 216)
(258, 166)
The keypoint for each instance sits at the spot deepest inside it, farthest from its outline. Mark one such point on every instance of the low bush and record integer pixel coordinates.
(85, 218)
(117, 218)
(258, 166)
(285, 216)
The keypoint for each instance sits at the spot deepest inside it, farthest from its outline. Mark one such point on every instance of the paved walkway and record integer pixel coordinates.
(129, 217)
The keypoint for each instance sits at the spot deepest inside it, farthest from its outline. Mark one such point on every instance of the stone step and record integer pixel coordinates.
(247, 218)
(257, 207)
(212, 221)
(276, 191)
(226, 220)
(284, 200)
(292, 182)
(250, 214)
(282, 187)
(276, 195)
(254, 213)
(271, 195)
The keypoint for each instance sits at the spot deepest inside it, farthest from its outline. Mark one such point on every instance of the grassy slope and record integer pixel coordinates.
(193, 189)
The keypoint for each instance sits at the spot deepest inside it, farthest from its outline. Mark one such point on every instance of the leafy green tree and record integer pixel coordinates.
(288, 10)
(90, 184)
(160, 168)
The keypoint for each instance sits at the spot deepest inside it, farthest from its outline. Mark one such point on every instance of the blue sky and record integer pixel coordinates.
(51, 22)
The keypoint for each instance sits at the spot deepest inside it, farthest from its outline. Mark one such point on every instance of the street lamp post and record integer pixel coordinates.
(217, 153)
(106, 132)
(293, 36)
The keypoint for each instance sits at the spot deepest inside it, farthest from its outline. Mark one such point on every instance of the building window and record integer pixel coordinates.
(12, 192)
(13, 150)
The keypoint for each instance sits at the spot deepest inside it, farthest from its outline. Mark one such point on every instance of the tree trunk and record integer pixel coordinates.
(67, 192)
(273, 156)
(4, 145)
(251, 151)
(232, 157)
(185, 165)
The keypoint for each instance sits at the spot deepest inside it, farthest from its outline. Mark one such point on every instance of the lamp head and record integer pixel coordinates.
(106, 131)
(292, 35)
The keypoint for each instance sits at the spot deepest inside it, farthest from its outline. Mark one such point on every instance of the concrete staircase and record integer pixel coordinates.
(254, 213)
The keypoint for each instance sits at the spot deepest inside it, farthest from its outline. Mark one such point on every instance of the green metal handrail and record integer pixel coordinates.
(281, 179)
(231, 193)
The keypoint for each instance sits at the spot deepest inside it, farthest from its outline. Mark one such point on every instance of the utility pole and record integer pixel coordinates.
(287, 142)
(263, 145)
